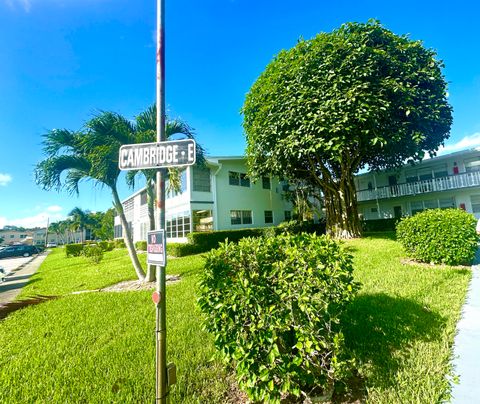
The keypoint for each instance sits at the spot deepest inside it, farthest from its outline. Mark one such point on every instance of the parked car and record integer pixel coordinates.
(18, 251)
(51, 245)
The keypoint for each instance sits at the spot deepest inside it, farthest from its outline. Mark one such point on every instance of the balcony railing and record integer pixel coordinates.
(464, 180)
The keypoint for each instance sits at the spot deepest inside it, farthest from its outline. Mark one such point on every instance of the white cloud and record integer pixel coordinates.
(54, 208)
(468, 142)
(5, 179)
(51, 214)
(25, 4)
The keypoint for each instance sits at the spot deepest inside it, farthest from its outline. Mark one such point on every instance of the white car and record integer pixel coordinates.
(51, 245)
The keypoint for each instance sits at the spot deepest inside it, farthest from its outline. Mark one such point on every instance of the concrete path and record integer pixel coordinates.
(18, 278)
(466, 350)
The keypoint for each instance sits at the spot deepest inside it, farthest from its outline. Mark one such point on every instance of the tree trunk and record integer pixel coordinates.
(341, 208)
(151, 271)
(127, 236)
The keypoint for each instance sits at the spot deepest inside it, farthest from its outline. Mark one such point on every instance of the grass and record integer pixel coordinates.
(99, 347)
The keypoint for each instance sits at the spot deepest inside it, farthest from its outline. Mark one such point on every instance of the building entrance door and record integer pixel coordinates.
(397, 212)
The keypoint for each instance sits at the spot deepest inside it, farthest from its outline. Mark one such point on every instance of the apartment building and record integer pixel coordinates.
(447, 181)
(218, 196)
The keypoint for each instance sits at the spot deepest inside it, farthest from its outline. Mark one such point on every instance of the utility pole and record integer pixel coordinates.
(161, 385)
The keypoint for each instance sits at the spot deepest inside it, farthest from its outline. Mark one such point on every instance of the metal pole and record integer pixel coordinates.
(160, 331)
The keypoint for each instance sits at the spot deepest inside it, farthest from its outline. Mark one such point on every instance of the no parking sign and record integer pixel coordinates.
(156, 251)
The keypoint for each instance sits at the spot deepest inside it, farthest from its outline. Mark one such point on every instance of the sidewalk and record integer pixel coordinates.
(17, 279)
(466, 350)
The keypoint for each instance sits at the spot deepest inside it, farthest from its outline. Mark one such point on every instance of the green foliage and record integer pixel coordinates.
(333, 104)
(273, 305)
(106, 245)
(93, 252)
(296, 227)
(205, 241)
(119, 243)
(141, 245)
(445, 236)
(182, 249)
(74, 250)
(379, 225)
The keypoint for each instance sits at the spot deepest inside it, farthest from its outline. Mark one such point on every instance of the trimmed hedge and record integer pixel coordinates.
(440, 236)
(182, 249)
(74, 250)
(273, 305)
(106, 245)
(119, 243)
(205, 241)
(141, 245)
(380, 225)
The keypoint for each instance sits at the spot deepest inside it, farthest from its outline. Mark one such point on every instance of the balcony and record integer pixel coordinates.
(458, 181)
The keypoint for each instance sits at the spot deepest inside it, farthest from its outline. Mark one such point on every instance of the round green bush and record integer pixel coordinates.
(93, 252)
(273, 305)
(440, 236)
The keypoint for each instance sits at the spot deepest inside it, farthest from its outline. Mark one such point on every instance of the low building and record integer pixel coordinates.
(447, 181)
(36, 236)
(219, 196)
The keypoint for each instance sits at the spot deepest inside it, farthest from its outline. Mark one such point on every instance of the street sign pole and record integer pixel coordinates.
(161, 385)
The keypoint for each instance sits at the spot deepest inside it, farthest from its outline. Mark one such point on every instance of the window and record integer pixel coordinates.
(143, 199)
(374, 210)
(268, 216)
(233, 178)
(446, 203)
(12, 235)
(475, 200)
(440, 171)
(266, 182)
(240, 179)
(425, 174)
(202, 220)
(472, 165)
(241, 217)
(117, 231)
(416, 207)
(288, 215)
(201, 179)
(430, 204)
(178, 225)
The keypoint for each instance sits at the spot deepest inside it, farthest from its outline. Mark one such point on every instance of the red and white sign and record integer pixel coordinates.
(156, 248)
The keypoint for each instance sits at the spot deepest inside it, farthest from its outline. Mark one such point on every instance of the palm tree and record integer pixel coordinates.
(90, 154)
(145, 132)
(80, 221)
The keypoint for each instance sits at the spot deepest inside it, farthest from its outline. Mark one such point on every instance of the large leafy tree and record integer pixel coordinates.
(145, 132)
(89, 154)
(358, 96)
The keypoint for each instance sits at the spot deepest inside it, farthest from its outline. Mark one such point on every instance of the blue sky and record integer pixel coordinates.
(62, 60)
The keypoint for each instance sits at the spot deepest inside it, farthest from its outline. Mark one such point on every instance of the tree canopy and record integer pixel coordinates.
(360, 95)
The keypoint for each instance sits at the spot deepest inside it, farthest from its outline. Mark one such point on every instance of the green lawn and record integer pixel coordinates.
(99, 347)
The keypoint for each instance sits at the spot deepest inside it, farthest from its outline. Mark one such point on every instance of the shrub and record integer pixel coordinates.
(445, 236)
(73, 250)
(379, 225)
(93, 252)
(106, 245)
(141, 245)
(205, 241)
(182, 249)
(273, 305)
(297, 227)
(119, 243)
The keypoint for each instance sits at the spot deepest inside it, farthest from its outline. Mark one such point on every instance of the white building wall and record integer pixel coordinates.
(445, 172)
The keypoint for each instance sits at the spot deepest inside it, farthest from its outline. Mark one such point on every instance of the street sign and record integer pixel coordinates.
(156, 254)
(139, 156)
